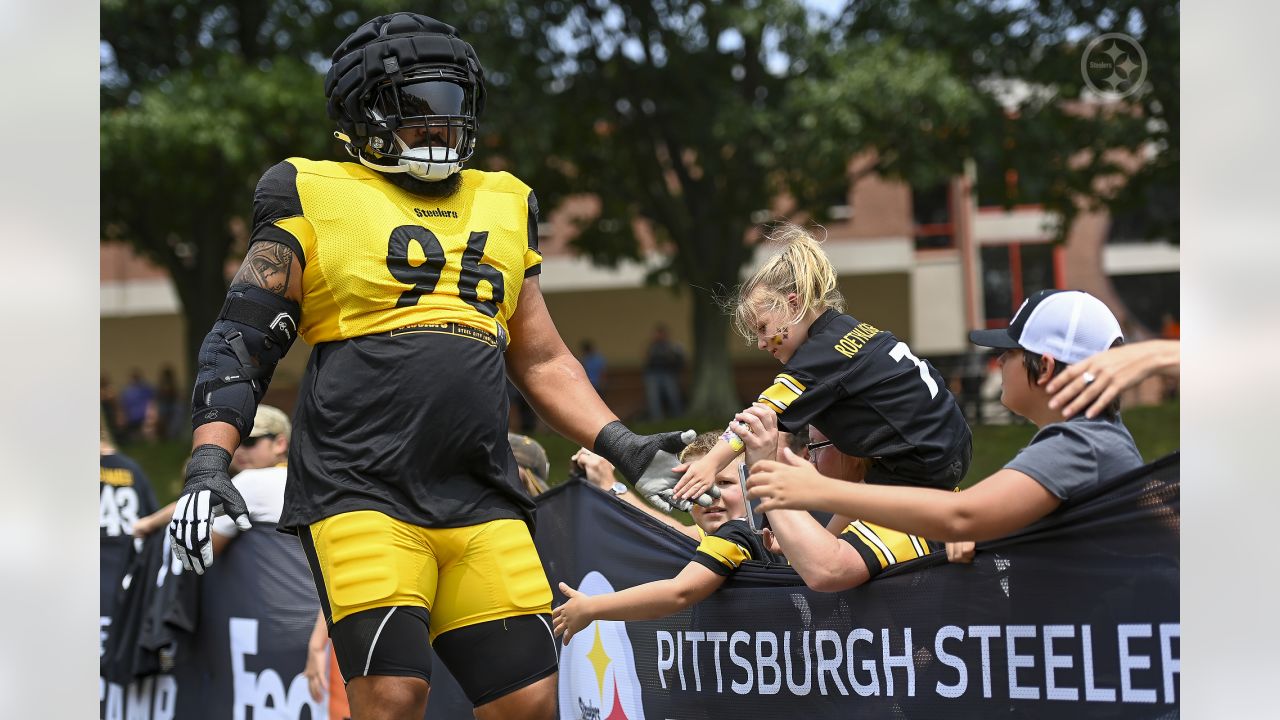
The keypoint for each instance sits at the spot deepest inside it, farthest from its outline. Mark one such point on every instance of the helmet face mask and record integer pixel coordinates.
(406, 93)
(425, 123)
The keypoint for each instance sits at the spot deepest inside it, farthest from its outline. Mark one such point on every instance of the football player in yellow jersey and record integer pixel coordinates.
(417, 284)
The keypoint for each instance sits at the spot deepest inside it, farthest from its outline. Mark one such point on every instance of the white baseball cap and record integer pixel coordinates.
(1067, 325)
(270, 420)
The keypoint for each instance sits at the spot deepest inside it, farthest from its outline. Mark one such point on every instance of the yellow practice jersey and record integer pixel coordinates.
(378, 258)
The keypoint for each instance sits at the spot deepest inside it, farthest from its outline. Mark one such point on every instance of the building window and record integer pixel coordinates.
(1011, 273)
(932, 217)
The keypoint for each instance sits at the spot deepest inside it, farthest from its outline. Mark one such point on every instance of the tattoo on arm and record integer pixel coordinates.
(268, 265)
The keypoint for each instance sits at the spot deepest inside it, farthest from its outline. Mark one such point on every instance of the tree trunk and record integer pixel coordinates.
(712, 395)
(201, 285)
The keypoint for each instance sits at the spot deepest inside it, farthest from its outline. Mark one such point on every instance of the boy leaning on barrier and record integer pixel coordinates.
(727, 543)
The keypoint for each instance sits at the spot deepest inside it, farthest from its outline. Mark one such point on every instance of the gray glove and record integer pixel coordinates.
(208, 492)
(646, 462)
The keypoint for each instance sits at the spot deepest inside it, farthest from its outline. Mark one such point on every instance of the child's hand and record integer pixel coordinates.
(572, 616)
(770, 541)
(787, 485)
(758, 428)
(960, 551)
(698, 477)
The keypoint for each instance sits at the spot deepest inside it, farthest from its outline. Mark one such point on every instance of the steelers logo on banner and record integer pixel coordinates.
(598, 679)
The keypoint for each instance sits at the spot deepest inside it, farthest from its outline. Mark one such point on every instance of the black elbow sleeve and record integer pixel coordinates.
(238, 357)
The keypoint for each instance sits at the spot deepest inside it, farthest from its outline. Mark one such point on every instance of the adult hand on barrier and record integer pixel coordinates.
(598, 470)
(207, 492)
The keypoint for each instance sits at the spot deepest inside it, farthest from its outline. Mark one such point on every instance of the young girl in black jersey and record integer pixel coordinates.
(858, 384)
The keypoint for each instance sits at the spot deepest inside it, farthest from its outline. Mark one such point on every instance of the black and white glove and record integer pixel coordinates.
(646, 462)
(207, 492)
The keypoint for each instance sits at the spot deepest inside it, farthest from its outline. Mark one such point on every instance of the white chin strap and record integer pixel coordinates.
(424, 163)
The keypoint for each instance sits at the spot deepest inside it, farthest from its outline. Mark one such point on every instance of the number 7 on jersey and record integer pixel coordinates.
(901, 351)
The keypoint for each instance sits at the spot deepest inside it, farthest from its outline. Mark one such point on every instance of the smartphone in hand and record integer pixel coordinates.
(757, 520)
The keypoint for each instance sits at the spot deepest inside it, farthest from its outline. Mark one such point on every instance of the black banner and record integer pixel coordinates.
(258, 606)
(244, 657)
(1075, 616)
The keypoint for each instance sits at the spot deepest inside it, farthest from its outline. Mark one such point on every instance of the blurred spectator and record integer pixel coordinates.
(262, 458)
(168, 416)
(109, 404)
(124, 494)
(663, 363)
(265, 452)
(526, 418)
(599, 472)
(532, 461)
(993, 411)
(972, 373)
(260, 464)
(135, 400)
(593, 363)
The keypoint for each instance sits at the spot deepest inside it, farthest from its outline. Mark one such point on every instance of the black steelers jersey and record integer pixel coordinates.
(124, 496)
(723, 551)
(865, 390)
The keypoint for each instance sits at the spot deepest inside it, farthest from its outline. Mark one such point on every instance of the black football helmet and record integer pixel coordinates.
(406, 71)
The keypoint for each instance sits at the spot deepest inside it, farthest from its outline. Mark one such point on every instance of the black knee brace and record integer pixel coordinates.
(254, 330)
(496, 658)
(383, 641)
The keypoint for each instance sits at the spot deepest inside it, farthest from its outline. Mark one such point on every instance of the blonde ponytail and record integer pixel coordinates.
(801, 268)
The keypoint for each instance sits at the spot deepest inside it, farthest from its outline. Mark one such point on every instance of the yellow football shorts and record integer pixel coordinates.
(462, 576)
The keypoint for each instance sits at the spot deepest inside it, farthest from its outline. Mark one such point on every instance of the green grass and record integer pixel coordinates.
(163, 463)
(1154, 428)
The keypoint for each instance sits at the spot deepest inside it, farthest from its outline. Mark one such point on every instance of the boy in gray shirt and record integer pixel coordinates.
(1052, 329)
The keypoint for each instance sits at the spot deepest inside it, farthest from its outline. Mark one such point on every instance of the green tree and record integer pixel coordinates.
(695, 116)
(198, 99)
(1025, 60)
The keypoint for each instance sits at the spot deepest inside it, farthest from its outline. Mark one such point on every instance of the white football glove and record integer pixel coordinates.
(208, 492)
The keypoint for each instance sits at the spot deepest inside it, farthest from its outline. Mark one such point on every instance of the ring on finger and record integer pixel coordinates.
(1088, 378)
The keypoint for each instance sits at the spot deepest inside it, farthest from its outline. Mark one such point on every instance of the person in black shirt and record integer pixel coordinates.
(859, 385)
(1066, 460)
(728, 542)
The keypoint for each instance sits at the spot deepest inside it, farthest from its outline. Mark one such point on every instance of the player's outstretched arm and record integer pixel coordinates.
(555, 384)
(649, 601)
(599, 472)
(550, 377)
